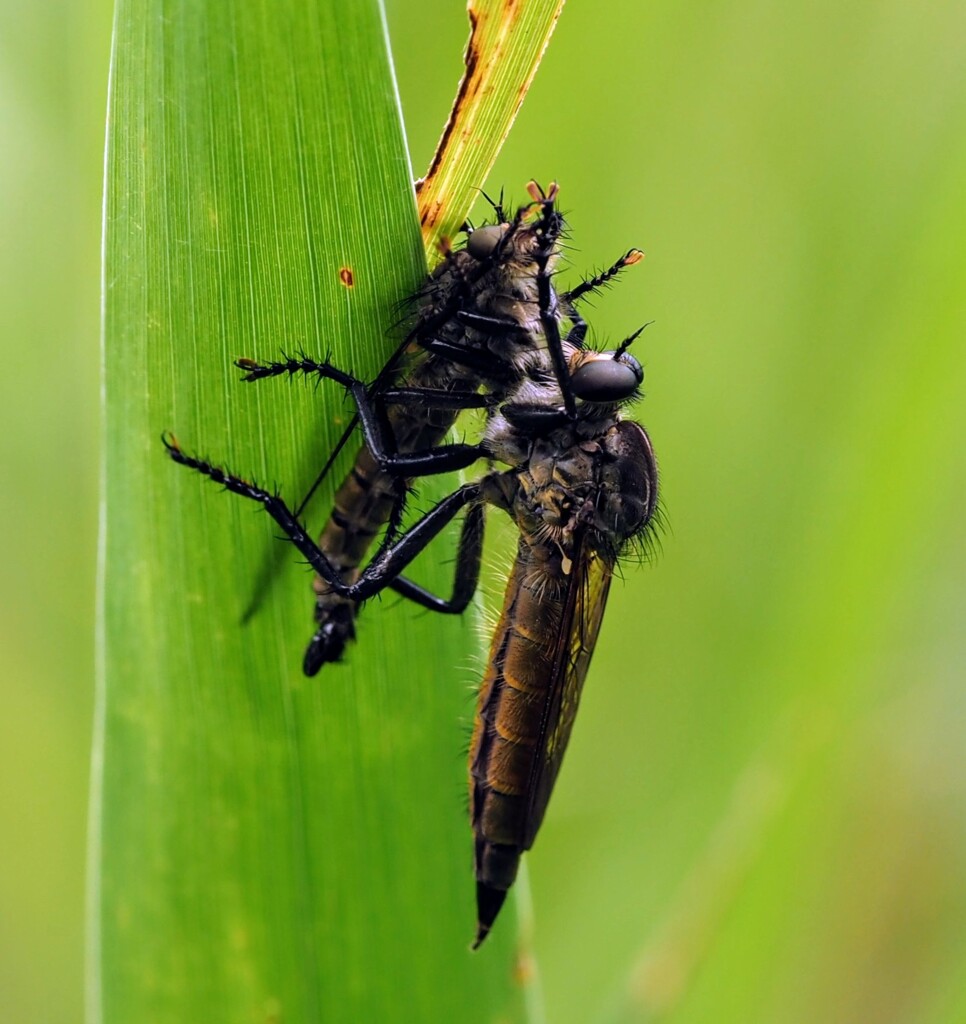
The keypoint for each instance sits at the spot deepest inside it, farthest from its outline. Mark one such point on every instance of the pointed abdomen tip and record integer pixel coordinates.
(488, 904)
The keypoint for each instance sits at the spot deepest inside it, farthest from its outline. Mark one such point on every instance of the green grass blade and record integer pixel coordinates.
(265, 847)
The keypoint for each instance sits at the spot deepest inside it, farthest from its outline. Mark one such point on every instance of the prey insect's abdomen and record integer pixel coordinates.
(363, 505)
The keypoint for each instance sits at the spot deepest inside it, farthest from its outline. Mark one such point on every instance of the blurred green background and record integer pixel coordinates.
(763, 817)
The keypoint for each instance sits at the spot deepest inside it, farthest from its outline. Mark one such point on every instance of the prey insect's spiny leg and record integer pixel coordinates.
(591, 284)
(578, 332)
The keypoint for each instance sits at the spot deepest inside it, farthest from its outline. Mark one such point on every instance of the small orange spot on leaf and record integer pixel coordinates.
(346, 277)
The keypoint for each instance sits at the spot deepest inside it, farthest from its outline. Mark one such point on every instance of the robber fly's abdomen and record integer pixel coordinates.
(509, 713)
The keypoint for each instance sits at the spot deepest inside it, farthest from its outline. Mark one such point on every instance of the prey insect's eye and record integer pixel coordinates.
(606, 379)
(481, 242)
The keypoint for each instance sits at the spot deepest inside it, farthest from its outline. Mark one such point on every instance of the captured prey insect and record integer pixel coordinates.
(581, 484)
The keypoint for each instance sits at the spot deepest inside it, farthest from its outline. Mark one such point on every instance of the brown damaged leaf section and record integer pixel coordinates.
(347, 277)
(507, 41)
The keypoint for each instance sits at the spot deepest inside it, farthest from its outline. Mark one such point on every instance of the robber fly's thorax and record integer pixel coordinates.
(599, 487)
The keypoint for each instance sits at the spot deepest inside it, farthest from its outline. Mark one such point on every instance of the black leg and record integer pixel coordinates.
(578, 333)
(389, 561)
(497, 206)
(443, 459)
(550, 232)
(485, 364)
(495, 325)
(428, 398)
(629, 258)
(467, 576)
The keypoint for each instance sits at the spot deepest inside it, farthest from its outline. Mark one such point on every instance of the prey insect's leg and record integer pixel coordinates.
(578, 332)
(467, 575)
(485, 364)
(429, 398)
(591, 284)
(389, 561)
(379, 440)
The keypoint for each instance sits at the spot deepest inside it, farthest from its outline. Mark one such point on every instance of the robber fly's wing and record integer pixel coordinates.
(588, 583)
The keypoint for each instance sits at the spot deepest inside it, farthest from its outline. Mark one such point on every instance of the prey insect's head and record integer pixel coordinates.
(482, 242)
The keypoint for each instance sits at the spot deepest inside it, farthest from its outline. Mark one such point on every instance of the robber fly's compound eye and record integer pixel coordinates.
(628, 360)
(481, 242)
(606, 379)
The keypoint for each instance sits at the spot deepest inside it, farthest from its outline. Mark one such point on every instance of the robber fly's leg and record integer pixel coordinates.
(591, 284)
(379, 440)
(336, 616)
(467, 575)
(389, 561)
(546, 300)
(578, 332)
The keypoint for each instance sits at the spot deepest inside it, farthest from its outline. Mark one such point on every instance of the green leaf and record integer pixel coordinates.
(265, 847)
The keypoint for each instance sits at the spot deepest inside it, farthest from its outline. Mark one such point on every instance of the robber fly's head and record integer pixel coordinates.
(606, 378)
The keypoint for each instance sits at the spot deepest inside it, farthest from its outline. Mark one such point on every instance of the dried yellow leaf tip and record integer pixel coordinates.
(507, 41)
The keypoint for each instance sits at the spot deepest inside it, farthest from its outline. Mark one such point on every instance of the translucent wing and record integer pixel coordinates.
(581, 614)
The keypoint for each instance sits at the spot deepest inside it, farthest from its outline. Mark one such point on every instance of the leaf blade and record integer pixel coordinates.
(268, 845)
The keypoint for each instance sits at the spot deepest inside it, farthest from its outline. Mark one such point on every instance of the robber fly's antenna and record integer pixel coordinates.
(627, 342)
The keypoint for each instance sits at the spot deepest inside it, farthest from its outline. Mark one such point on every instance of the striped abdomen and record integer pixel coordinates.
(362, 507)
(513, 700)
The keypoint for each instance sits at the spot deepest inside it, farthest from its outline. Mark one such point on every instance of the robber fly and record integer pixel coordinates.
(581, 485)
(480, 327)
